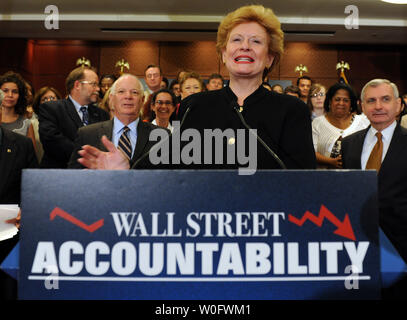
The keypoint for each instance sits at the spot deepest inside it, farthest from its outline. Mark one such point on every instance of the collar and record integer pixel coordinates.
(252, 99)
(387, 133)
(76, 104)
(118, 125)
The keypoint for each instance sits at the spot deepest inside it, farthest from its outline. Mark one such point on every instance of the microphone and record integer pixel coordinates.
(236, 107)
(159, 144)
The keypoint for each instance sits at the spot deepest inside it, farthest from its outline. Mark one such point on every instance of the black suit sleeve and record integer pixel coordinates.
(55, 143)
(298, 149)
(73, 161)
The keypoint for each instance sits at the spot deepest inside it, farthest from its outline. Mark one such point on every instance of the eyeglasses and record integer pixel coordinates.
(166, 102)
(45, 99)
(321, 94)
(93, 84)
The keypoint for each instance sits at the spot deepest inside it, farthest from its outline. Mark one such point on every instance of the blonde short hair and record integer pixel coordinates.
(253, 13)
(191, 75)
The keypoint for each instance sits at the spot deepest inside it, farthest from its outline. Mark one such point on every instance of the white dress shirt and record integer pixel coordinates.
(78, 107)
(371, 139)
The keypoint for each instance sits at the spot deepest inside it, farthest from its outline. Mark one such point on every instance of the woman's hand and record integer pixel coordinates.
(93, 158)
(336, 162)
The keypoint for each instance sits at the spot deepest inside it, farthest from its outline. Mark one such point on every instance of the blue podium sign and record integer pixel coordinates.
(199, 235)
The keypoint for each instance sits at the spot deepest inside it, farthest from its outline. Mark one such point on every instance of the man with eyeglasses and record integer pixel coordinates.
(60, 120)
(127, 132)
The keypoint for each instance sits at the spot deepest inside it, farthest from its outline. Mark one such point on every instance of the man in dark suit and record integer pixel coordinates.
(383, 146)
(60, 120)
(129, 135)
(16, 153)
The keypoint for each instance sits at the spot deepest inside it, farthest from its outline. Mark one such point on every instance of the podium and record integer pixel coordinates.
(199, 235)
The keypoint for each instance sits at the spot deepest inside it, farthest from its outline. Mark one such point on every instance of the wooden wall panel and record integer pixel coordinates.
(319, 59)
(200, 57)
(139, 54)
(368, 62)
(48, 62)
(55, 59)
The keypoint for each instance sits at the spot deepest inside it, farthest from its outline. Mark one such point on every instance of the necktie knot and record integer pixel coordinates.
(85, 114)
(375, 158)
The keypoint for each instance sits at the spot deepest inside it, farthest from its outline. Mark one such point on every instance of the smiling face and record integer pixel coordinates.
(305, 86)
(246, 54)
(380, 106)
(163, 106)
(126, 99)
(190, 86)
(11, 94)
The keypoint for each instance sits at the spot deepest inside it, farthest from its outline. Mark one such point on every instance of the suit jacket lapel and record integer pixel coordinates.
(143, 134)
(105, 129)
(94, 116)
(355, 150)
(71, 110)
(8, 153)
(395, 148)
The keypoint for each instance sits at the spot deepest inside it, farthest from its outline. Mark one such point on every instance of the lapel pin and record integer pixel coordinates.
(9, 150)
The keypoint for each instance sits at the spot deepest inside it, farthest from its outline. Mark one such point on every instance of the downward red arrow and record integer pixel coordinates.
(65, 215)
(344, 228)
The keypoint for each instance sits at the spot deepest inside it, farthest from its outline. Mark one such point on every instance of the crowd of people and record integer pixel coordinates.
(104, 122)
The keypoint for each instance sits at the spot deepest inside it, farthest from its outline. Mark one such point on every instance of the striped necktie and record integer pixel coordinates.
(125, 144)
(375, 158)
(85, 118)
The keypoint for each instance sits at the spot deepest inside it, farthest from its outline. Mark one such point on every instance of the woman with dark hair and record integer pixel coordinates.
(14, 105)
(106, 81)
(163, 103)
(43, 95)
(339, 121)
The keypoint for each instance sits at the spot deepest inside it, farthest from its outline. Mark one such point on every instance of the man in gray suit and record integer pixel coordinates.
(383, 146)
(128, 133)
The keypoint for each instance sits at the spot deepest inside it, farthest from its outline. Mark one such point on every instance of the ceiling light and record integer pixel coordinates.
(396, 1)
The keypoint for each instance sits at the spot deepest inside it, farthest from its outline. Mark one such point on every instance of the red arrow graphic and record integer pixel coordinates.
(65, 215)
(344, 228)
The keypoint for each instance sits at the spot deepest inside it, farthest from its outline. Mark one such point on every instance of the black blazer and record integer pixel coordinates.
(282, 121)
(92, 135)
(16, 153)
(392, 183)
(58, 125)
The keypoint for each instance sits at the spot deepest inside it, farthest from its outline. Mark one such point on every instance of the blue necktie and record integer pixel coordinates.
(85, 118)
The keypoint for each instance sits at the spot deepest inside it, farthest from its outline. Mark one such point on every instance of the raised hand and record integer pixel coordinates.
(93, 158)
